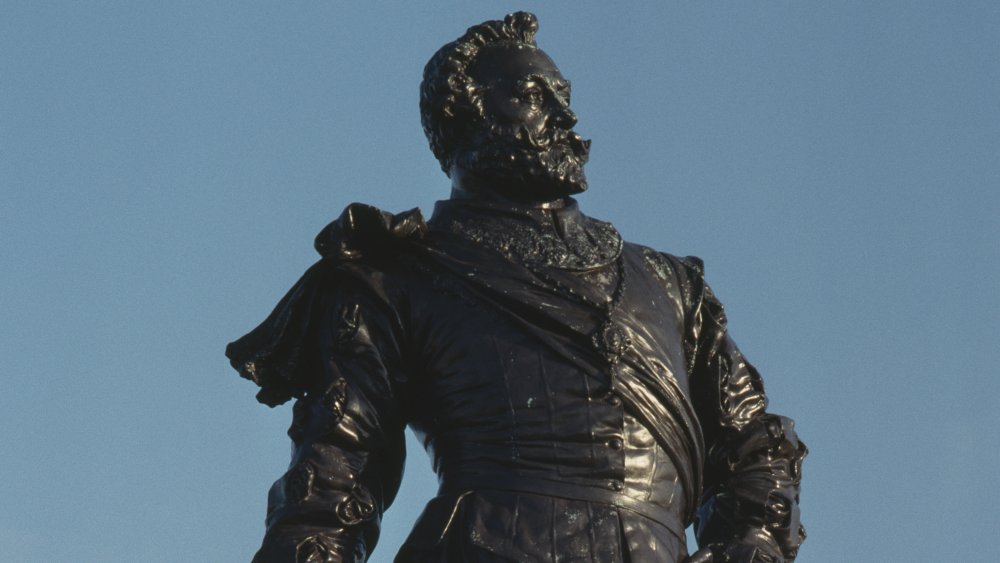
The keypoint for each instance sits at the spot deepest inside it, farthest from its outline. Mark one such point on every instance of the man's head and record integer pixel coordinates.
(496, 109)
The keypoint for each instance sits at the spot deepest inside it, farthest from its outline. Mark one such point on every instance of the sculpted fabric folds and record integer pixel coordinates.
(543, 446)
(579, 396)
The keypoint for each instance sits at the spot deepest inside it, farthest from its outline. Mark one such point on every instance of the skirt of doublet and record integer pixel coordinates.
(500, 526)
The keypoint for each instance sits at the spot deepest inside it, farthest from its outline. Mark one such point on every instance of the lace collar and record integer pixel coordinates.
(552, 237)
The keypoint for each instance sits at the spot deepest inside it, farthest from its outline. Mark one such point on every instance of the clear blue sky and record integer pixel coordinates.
(164, 168)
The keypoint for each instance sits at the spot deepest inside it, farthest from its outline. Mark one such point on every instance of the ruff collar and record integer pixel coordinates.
(551, 237)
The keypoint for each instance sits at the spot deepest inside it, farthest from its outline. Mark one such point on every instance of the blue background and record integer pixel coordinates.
(165, 166)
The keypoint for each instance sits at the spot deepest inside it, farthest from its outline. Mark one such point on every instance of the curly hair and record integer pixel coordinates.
(449, 98)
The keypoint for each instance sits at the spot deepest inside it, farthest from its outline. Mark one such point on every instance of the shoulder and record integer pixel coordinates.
(683, 274)
(370, 249)
(362, 255)
(666, 266)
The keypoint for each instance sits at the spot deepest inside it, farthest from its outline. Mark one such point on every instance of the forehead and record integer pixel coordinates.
(513, 62)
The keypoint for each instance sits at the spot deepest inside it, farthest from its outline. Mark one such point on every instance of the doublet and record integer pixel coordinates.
(482, 330)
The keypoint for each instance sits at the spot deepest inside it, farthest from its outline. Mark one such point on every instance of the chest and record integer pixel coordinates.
(487, 348)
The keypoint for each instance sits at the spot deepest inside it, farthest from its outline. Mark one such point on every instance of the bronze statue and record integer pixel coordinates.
(579, 395)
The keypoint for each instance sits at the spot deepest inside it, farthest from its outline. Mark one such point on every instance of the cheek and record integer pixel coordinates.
(511, 111)
(531, 118)
(517, 113)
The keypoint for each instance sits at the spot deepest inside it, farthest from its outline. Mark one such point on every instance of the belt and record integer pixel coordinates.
(512, 483)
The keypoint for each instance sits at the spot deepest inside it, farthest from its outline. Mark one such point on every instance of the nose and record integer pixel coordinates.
(564, 118)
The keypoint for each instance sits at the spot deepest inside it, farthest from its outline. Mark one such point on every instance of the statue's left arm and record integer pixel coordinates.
(333, 344)
(749, 510)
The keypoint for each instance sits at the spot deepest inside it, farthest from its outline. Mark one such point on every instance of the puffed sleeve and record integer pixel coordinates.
(749, 511)
(340, 354)
(334, 343)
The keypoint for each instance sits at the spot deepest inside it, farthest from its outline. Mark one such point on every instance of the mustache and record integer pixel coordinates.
(548, 162)
(548, 139)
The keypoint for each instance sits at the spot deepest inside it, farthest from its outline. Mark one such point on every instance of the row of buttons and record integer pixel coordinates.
(615, 443)
(615, 401)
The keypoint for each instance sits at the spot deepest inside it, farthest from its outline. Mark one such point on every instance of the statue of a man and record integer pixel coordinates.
(579, 396)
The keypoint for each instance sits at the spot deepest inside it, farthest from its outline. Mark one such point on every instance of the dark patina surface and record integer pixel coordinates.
(579, 395)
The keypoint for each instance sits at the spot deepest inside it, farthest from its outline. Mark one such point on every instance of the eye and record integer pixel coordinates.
(530, 92)
(532, 96)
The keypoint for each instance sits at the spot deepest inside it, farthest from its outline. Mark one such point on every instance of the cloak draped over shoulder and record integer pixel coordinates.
(270, 354)
(471, 330)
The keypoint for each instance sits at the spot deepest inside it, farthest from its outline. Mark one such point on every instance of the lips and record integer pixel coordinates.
(579, 145)
(567, 140)
(564, 141)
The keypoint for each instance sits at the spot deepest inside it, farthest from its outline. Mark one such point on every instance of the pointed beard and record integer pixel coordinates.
(530, 168)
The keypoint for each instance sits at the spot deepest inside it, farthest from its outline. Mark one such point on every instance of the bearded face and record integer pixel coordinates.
(529, 166)
(523, 147)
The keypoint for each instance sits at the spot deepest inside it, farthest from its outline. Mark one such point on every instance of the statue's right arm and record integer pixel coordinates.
(347, 432)
(750, 505)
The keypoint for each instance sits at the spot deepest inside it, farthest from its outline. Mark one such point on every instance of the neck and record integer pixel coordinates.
(468, 186)
(559, 237)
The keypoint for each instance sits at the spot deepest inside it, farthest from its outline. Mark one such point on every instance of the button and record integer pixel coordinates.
(616, 485)
(614, 400)
(615, 443)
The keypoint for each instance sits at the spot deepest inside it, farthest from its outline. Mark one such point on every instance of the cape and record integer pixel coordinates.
(271, 354)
